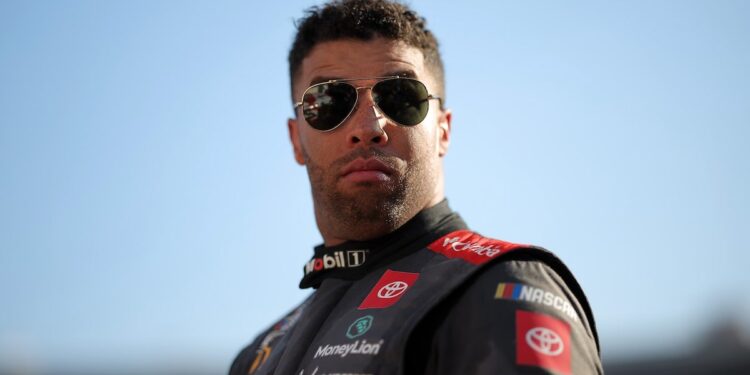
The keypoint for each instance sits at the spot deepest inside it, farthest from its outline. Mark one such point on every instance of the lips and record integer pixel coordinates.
(367, 170)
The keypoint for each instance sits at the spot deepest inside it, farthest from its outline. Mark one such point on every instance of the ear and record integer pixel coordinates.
(444, 131)
(294, 139)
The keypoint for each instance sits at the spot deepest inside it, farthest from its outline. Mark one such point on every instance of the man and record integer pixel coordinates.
(401, 285)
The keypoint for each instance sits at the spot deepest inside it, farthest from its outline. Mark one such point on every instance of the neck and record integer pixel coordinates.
(335, 231)
(351, 260)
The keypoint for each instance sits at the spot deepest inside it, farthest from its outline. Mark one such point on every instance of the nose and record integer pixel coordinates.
(366, 124)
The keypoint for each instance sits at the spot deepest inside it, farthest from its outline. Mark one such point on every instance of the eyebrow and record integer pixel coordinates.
(406, 73)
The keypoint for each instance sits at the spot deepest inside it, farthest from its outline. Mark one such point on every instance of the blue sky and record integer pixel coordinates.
(151, 213)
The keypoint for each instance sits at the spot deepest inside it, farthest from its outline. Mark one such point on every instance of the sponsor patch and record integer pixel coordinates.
(528, 293)
(471, 247)
(315, 372)
(542, 341)
(389, 289)
(359, 327)
(338, 259)
(359, 347)
(279, 329)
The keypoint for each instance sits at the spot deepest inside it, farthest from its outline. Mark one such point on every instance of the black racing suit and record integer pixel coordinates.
(431, 298)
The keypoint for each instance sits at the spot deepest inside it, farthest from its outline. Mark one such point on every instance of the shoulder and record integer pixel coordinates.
(259, 350)
(514, 296)
(532, 281)
(524, 275)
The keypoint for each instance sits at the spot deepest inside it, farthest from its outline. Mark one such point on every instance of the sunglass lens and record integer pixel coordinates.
(405, 101)
(326, 105)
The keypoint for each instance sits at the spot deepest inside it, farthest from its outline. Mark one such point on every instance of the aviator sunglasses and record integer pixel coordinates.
(327, 105)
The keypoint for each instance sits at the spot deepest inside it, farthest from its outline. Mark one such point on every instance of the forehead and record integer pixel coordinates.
(348, 58)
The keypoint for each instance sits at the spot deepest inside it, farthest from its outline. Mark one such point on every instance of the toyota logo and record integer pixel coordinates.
(545, 341)
(393, 289)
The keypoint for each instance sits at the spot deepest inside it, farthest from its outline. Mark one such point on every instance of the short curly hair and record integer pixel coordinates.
(365, 20)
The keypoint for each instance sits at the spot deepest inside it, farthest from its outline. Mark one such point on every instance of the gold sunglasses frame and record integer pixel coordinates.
(356, 99)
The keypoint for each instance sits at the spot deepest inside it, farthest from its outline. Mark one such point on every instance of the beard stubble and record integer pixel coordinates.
(372, 208)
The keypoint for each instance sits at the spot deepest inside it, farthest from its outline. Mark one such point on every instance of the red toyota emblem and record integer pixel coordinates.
(389, 289)
(393, 289)
(545, 341)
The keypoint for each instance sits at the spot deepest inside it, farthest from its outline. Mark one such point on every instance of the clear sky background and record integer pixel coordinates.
(151, 213)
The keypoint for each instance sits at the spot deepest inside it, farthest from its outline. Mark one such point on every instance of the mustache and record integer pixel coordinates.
(364, 153)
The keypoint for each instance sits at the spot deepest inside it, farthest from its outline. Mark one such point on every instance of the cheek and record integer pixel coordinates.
(430, 128)
(420, 143)
(318, 148)
(428, 137)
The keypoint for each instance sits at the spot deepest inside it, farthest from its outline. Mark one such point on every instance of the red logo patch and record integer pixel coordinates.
(471, 247)
(388, 290)
(543, 341)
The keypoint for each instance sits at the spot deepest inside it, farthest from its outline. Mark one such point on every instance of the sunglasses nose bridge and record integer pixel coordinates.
(366, 120)
(373, 103)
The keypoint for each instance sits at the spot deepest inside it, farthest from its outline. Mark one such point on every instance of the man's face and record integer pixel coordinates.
(369, 175)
